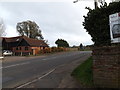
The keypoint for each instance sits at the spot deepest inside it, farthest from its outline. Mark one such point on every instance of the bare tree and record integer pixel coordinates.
(2, 28)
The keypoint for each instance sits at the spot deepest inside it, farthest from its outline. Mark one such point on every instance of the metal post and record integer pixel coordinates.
(21, 53)
(96, 4)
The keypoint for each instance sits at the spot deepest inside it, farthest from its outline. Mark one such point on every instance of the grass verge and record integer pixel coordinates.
(83, 73)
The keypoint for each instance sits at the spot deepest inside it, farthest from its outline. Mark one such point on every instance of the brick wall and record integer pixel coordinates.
(22, 51)
(106, 66)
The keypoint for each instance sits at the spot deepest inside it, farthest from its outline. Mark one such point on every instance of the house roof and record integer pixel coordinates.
(30, 41)
(13, 39)
(35, 42)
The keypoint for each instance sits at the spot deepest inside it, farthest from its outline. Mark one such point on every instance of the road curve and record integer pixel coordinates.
(18, 73)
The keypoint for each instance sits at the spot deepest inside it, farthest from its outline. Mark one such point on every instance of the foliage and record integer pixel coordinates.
(57, 49)
(52, 50)
(97, 23)
(81, 46)
(62, 43)
(29, 29)
(83, 73)
(47, 50)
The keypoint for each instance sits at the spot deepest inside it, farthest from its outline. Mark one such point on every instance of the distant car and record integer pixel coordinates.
(7, 53)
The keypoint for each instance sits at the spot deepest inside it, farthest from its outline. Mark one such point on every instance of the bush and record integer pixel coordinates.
(52, 50)
(97, 23)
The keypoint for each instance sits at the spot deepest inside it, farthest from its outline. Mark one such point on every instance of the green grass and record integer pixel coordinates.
(83, 73)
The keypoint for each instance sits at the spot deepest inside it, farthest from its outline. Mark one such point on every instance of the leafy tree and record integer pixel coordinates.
(62, 43)
(81, 46)
(2, 28)
(29, 29)
(97, 23)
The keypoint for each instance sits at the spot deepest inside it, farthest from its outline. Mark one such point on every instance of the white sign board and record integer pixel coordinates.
(114, 20)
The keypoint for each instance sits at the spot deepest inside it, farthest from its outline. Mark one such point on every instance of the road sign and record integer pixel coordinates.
(114, 20)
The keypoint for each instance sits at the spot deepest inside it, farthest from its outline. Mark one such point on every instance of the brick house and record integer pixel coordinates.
(23, 45)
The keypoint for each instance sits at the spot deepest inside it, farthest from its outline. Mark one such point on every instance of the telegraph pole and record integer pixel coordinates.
(95, 3)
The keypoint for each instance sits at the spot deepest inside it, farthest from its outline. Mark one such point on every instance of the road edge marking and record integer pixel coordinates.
(14, 65)
(35, 80)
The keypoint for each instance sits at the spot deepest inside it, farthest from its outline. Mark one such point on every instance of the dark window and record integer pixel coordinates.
(26, 48)
(19, 48)
(16, 48)
(43, 47)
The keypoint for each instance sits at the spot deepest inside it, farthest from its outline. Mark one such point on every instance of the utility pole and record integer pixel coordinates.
(95, 3)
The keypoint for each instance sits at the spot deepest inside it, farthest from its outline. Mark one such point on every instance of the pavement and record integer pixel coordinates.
(52, 71)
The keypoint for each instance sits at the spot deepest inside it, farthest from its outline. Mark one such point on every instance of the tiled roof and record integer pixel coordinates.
(13, 39)
(30, 41)
(35, 42)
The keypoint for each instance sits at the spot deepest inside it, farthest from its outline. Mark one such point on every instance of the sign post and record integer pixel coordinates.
(114, 20)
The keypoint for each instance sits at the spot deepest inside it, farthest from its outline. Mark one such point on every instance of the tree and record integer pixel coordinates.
(97, 23)
(2, 28)
(62, 43)
(81, 46)
(30, 29)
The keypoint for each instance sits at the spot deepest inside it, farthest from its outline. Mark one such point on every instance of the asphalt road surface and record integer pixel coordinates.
(18, 73)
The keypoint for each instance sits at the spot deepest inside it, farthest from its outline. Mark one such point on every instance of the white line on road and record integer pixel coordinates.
(15, 65)
(35, 79)
(49, 58)
(45, 59)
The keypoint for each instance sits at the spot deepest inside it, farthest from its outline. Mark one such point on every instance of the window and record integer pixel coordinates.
(16, 48)
(43, 47)
(19, 48)
(26, 48)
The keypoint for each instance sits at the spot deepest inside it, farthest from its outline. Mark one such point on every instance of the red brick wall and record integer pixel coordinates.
(106, 66)
(33, 50)
(22, 49)
(36, 50)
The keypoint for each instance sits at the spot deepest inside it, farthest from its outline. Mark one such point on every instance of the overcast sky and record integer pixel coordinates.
(56, 19)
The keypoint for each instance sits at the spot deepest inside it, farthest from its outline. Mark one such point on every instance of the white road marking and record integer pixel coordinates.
(49, 58)
(15, 65)
(45, 59)
(35, 79)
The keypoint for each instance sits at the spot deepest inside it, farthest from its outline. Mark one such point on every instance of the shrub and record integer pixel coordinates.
(97, 23)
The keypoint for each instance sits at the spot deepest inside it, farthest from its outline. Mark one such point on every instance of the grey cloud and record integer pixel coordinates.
(56, 20)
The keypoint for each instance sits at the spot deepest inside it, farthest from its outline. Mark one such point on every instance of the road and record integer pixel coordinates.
(18, 73)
